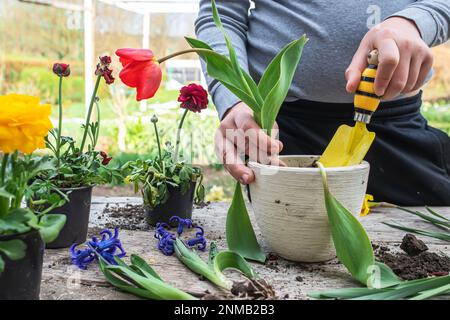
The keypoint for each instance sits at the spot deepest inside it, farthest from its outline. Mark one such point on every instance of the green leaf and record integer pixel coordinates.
(192, 261)
(123, 285)
(241, 237)
(13, 249)
(16, 221)
(156, 287)
(431, 234)
(353, 247)
(142, 265)
(220, 68)
(5, 194)
(432, 292)
(344, 293)
(282, 67)
(436, 214)
(50, 225)
(408, 289)
(232, 260)
(437, 222)
(2, 265)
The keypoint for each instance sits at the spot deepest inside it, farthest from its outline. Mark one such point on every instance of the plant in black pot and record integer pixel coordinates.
(77, 167)
(169, 186)
(24, 122)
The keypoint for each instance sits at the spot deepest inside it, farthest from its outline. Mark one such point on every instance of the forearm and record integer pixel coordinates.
(234, 15)
(432, 18)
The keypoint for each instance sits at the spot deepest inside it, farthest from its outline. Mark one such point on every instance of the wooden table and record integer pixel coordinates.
(290, 280)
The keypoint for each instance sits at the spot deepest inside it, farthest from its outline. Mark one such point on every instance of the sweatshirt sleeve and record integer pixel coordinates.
(432, 18)
(234, 16)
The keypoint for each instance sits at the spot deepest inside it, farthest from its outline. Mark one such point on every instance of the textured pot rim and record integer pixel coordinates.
(6, 237)
(252, 164)
(77, 188)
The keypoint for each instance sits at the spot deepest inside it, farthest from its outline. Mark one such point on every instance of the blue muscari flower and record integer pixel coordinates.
(81, 258)
(106, 247)
(181, 223)
(166, 239)
(199, 239)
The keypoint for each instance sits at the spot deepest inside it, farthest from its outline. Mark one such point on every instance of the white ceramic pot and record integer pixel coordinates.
(289, 205)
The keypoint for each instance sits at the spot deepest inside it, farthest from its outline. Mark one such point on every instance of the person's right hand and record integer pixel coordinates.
(238, 134)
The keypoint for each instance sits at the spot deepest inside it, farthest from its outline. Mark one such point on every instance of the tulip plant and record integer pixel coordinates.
(24, 123)
(142, 71)
(154, 176)
(79, 165)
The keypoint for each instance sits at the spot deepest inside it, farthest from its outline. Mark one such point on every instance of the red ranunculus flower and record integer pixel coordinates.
(105, 157)
(104, 70)
(193, 97)
(61, 69)
(141, 71)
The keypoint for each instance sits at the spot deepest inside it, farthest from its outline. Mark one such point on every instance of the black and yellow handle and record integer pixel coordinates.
(366, 101)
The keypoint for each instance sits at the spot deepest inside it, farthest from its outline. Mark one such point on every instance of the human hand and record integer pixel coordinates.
(239, 133)
(404, 58)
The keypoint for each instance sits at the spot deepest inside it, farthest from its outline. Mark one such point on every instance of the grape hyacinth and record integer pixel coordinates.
(199, 239)
(106, 247)
(166, 239)
(181, 223)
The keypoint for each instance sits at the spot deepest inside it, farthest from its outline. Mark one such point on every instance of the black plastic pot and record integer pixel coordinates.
(177, 204)
(21, 279)
(77, 211)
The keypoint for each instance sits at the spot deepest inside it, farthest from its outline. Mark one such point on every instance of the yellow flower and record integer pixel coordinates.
(24, 123)
(366, 205)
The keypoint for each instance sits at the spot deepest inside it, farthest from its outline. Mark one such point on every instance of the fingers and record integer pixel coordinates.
(400, 76)
(356, 67)
(425, 68)
(231, 160)
(389, 58)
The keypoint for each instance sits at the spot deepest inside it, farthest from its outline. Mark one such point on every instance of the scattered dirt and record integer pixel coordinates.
(128, 217)
(413, 246)
(416, 262)
(253, 290)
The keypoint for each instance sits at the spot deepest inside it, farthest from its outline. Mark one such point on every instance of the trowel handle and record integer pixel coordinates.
(366, 101)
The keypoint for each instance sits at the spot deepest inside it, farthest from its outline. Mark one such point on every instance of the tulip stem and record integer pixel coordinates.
(4, 164)
(159, 146)
(177, 144)
(58, 141)
(88, 117)
(179, 53)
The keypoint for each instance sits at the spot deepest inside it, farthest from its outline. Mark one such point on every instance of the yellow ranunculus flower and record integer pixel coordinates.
(24, 123)
(368, 203)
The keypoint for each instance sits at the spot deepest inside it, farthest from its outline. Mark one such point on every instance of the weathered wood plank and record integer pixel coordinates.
(290, 280)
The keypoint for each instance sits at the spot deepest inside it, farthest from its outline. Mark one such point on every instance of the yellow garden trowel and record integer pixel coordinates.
(350, 144)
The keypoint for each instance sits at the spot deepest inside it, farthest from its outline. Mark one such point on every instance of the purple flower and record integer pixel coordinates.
(181, 223)
(199, 239)
(166, 239)
(81, 258)
(107, 247)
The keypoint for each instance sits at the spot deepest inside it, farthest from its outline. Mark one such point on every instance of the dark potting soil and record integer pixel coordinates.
(128, 217)
(416, 262)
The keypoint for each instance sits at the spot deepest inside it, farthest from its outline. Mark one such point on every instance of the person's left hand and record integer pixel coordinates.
(404, 58)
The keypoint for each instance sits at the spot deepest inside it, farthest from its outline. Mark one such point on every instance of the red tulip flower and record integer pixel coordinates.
(193, 97)
(106, 160)
(141, 71)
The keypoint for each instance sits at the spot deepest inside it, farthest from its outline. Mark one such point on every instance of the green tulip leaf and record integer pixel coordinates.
(232, 260)
(241, 237)
(277, 79)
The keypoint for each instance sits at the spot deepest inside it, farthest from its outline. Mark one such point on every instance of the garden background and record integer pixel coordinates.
(33, 37)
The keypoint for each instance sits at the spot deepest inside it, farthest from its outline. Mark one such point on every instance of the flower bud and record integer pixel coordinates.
(61, 69)
(154, 119)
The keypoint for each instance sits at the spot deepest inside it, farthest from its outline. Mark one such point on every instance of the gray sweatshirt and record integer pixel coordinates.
(335, 29)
